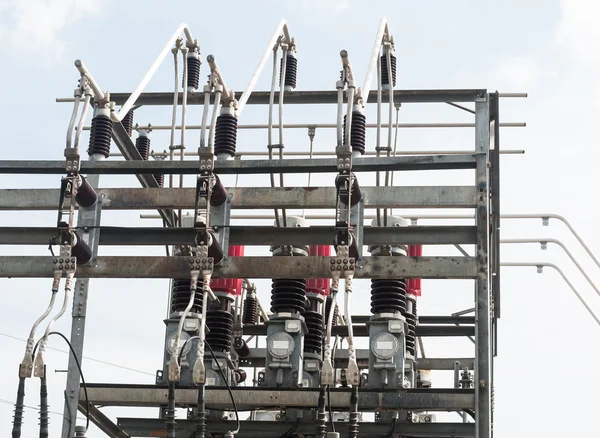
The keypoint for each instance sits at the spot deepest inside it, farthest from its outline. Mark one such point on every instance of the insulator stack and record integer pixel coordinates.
(388, 296)
(288, 295)
(358, 132)
(100, 136)
(411, 320)
(229, 286)
(86, 195)
(180, 296)
(291, 71)
(193, 70)
(328, 304)
(79, 249)
(127, 122)
(219, 194)
(220, 325)
(142, 144)
(250, 310)
(160, 179)
(318, 285)
(313, 340)
(225, 135)
(385, 78)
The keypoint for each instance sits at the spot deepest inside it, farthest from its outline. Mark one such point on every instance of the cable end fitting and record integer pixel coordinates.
(174, 372)
(199, 371)
(38, 363)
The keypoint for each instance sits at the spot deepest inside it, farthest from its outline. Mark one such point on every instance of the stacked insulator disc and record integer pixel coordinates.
(226, 135)
(127, 122)
(250, 310)
(220, 325)
(86, 195)
(231, 286)
(288, 295)
(385, 77)
(313, 340)
(291, 71)
(100, 135)
(193, 70)
(328, 304)
(180, 296)
(411, 321)
(388, 296)
(142, 144)
(160, 179)
(358, 132)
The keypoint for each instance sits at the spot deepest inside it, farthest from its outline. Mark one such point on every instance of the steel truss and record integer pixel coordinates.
(482, 197)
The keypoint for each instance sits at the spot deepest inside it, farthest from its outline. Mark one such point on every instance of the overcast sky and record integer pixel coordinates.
(549, 49)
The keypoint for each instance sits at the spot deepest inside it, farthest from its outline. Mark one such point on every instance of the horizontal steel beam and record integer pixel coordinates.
(246, 267)
(251, 198)
(219, 398)
(426, 319)
(152, 427)
(309, 97)
(252, 235)
(102, 421)
(243, 167)
(256, 358)
(362, 330)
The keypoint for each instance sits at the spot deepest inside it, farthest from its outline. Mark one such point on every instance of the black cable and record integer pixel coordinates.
(471, 413)
(87, 402)
(18, 418)
(171, 412)
(291, 431)
(43, 406)
(329, 407)
(237, 415)
(69, 419)
(393, 428)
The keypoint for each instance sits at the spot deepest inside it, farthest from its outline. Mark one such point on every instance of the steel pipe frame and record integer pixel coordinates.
(243, 167)
(246, 267)
(362, 330)
(219, 398)
(250, 198)
(144, 427)
(249, 235)
(299, 97)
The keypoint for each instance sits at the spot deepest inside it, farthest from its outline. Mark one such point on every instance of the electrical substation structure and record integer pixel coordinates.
(310, 379)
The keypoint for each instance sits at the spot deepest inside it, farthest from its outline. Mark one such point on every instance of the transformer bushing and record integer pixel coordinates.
(387, 325)
(286, 327)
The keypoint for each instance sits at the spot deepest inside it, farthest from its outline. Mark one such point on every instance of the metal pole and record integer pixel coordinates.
(383, 30)
(482, 291)
(88, 219)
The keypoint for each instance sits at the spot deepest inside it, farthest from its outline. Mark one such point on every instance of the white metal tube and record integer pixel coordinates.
(205, 111)
(117, 117)
(72, 121)
(565, 249)
(214, 69)
(562, 274)
(383, 30)
(351, 93)
(213, 122)
(282, 27)
(340, 116)
(86, 106)
(98, 93)
(193, 286)
(175, 51)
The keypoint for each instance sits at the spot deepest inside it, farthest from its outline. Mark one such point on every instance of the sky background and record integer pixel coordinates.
(546, 373)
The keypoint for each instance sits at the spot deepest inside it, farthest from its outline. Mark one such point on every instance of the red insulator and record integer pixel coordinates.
(318, 285)
(413, 285)
(232, 286)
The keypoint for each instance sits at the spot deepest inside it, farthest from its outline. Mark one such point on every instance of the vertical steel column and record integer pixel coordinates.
(482, 289)
(495, 200)
(87, 221)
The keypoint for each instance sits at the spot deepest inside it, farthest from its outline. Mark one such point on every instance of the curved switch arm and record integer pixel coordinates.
(382, 32)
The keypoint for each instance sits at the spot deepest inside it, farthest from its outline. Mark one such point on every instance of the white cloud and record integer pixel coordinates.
(39, 25)
(518, 72)
(578, 30)
(333, 6)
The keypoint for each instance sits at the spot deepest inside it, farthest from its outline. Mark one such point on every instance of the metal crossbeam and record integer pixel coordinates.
(244, 167)
(146, 427)
(251, 235)
(251, 198)
(309, 97)
(362, 330)
(247, 267)
(219, 398)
